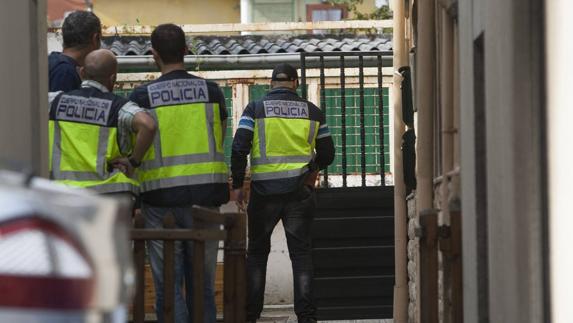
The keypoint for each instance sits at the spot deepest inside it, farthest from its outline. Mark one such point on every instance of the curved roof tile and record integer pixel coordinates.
(254, 44)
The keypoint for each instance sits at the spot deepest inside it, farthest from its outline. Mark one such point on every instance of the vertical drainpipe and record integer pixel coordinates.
(455, 88)
(425, 99)
(425, 102)
(400, 212)
(245, 14)
(446, 133)
(559, 75)
(446, 103)
(245, 11)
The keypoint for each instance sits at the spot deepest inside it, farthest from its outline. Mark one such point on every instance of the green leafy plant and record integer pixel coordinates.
(381, 13)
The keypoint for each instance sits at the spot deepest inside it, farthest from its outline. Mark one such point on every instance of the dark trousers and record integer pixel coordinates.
(264, 212)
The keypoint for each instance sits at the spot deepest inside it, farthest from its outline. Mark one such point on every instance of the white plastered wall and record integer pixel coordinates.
(560, 114)
(24, 85)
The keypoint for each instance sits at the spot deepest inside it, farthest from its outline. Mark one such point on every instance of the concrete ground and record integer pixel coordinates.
(277, 314)
(285, 314)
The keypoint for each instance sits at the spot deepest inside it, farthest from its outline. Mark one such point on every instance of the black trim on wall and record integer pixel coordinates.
(480, 133)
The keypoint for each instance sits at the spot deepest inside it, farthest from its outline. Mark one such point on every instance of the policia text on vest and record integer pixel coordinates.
(84, 131)
(88, 110)
(286, 109)
(177, 92)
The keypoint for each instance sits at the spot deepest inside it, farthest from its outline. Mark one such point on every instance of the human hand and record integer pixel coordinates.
(311, 178)
(123, 165)
(237, 195)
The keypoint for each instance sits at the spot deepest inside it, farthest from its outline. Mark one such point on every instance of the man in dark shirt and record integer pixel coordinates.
(288, 140)
(81, 32)
(185, 166)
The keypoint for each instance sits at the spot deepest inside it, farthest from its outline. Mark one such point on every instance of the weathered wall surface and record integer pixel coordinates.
(413, 255)
(24, 85)
(500, 84)
(153, 12)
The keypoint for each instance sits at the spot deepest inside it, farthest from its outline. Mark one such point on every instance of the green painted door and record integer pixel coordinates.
(228, 93)
(256, 92)
(371, 127)
(123, 92)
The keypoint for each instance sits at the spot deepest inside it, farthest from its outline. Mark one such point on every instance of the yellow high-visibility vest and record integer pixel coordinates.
(284, 140)
(83, 139)
(188, 146)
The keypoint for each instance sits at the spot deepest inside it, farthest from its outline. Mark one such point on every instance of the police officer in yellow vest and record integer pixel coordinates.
(288, 140)
(185, 165)
(97, 137)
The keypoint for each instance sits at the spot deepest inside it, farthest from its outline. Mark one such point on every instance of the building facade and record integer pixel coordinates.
(477, 219)
(58, 9)
(301, 10)
(151, 12)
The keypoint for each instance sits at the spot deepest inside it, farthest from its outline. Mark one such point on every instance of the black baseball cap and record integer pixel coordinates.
(284, 72)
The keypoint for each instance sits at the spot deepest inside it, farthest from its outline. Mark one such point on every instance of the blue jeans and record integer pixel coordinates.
(296, 211)
(183, 264)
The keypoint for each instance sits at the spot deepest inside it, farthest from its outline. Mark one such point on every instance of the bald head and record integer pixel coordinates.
(101, 66)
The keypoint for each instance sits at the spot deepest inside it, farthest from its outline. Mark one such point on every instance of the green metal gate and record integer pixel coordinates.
(353, 234)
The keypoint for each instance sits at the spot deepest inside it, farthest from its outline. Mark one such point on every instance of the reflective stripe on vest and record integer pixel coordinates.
(197, 158)
(262, 176)
(104, 188)
(278, 157)
(77, 170)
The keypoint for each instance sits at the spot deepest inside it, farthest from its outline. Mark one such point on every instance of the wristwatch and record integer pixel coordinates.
(134, 163)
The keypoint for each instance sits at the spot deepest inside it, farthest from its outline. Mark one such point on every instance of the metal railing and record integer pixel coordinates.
(234, 276)
(364, 59)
